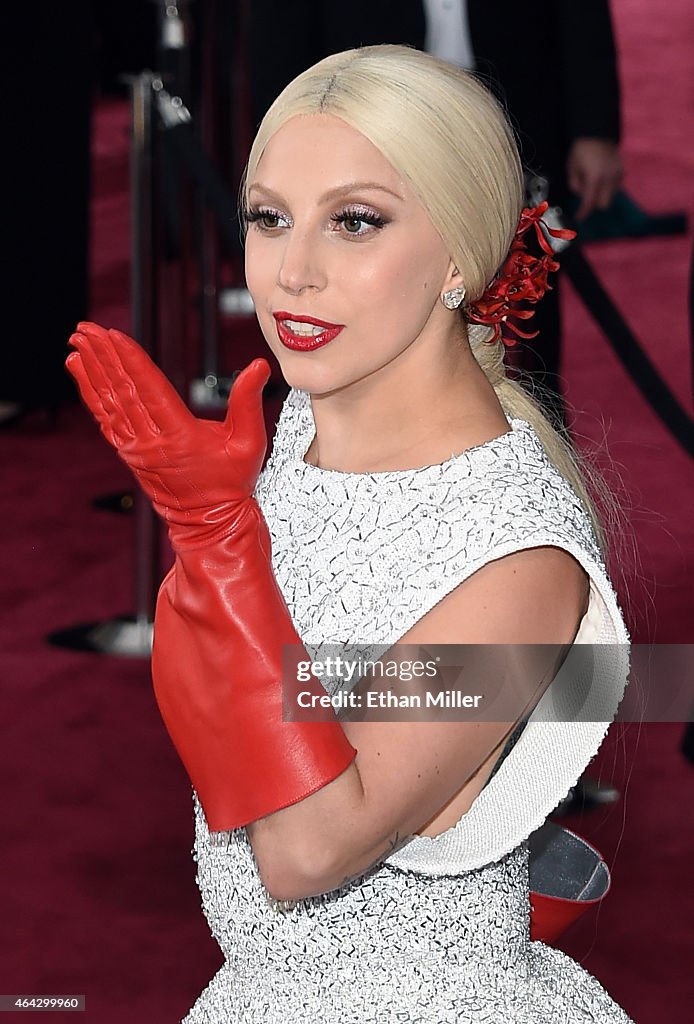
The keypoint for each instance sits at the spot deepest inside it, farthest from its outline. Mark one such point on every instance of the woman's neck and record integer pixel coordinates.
(406, 416)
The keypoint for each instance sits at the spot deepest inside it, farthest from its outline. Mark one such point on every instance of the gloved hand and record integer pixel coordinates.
(197, 473)
(221, 621)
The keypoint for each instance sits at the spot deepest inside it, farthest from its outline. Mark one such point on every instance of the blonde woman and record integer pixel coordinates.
(356, 871)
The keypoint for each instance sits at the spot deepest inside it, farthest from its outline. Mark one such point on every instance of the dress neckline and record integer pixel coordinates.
(307, 431)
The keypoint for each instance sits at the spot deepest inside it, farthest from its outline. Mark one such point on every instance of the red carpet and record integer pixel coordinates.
(98, 888)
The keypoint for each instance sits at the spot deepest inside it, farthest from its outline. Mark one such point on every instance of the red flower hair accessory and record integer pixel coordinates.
(521, 278)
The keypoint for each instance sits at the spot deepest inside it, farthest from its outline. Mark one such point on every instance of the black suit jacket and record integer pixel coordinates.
(552, 61)
(288, 36)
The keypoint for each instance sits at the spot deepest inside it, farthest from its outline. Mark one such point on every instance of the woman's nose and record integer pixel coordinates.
(302, 265)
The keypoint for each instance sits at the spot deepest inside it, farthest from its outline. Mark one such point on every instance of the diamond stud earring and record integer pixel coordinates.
(453, 298)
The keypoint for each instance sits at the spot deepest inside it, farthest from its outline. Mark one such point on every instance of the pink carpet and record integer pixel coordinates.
(98, 888)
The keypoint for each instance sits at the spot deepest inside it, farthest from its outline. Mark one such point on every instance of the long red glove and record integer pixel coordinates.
(221, 619)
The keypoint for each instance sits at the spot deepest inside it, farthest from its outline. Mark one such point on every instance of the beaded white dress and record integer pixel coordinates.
(439, 932)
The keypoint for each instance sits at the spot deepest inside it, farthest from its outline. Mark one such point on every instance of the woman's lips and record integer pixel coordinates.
(304, 342)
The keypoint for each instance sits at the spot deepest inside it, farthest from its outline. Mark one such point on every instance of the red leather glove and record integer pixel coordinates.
(221, 619)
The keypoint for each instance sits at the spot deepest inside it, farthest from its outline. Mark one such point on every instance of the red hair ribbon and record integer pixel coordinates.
(522, 278)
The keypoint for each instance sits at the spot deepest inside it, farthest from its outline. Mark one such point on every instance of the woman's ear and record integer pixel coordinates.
(454, 279)
(453, 291)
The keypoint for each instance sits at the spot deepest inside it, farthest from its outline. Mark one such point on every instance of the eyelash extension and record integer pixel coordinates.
(253, 214)
(362, 213)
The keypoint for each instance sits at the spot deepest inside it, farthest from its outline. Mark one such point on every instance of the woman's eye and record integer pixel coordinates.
(352, 224)
(266, 220)
(269, 220)
(359, 222)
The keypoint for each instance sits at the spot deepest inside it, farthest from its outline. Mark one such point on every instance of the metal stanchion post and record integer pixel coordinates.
(173, 50)
(207, 233)
(131, 636)
(137, 634)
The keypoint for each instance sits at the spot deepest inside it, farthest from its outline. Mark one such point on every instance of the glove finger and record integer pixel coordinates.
(244, 418)
(157, 397)
(100, 381)
(125, 388)
(128, 387)
(90, 397)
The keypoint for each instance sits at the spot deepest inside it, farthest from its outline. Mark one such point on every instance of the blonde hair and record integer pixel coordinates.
(448, 137)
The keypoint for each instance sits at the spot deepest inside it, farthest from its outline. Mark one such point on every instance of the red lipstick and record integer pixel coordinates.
(304, 342)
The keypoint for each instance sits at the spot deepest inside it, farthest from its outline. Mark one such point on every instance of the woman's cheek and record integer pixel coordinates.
(258, 268)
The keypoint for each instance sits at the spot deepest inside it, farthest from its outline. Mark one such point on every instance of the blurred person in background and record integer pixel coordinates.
(47, 79)
(55, 59)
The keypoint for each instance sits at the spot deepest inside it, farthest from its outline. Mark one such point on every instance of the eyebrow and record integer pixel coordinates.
(334, 193)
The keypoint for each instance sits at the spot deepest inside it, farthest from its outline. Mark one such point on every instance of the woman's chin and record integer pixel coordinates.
(304, 382)
(317, 380)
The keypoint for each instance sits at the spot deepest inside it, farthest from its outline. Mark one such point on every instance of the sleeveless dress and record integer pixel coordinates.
(438, 933)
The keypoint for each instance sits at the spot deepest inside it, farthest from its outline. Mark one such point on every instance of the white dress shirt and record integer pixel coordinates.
(448, 32)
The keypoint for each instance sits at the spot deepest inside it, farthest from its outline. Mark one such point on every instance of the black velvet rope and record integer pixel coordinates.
(627, 348)
(184, 146)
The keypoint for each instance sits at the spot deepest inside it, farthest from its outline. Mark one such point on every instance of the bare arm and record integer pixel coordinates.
(406, 772)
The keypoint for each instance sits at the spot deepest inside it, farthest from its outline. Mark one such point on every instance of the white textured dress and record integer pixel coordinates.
(439, 932)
